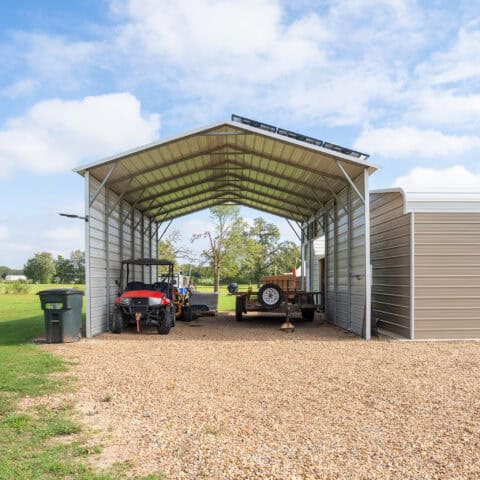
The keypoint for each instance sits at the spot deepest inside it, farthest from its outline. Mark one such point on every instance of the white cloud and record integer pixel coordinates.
(461, 62)
(414, 142)
(4, 233)
(55, 135)
(342, 99)
(453, 179)
(19, 88)
(338, 62)
(247, 41)
(52, 57)
(447, 109)
(64, 234)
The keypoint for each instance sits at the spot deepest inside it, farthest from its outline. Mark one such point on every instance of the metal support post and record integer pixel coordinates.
(107, 256)
(87, 327)
(368, 266)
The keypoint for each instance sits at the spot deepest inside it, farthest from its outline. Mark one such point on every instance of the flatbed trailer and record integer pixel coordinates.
(271, 298)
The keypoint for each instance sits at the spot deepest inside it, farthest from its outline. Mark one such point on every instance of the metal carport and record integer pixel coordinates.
(320, 186)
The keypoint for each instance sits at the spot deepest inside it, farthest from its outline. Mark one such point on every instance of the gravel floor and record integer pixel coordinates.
(218, 399)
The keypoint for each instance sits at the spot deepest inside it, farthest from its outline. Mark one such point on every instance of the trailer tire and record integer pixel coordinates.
(117, 321)
(308, 314)
(239, 308)
(270, 296)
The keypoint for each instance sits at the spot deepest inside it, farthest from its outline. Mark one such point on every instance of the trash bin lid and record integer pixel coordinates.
(61, 291)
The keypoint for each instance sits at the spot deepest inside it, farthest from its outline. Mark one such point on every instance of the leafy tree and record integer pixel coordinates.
(77, 257)
(40, 268)
(201, 274)
(171, 248)
(225, 242)
(265, 254)
(285, 258)
(70, 270)
(64, 270)
(262, 241)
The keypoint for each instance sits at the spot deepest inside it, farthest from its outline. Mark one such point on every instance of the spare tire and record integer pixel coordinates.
(270, 296)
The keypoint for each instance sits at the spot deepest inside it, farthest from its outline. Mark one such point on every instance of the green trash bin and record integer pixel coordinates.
(62, 308)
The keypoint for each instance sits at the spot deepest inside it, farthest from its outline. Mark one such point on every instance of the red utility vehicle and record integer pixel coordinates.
(139, 303)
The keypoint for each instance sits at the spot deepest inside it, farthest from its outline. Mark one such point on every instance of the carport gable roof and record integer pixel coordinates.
(229, 163)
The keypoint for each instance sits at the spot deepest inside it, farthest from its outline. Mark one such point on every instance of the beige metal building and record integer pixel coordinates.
(425, 254)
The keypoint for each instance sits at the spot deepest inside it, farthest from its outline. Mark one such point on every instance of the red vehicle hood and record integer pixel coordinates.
(143, 294)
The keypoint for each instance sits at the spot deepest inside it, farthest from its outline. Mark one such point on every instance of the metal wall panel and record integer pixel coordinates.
(345, 259)
(447, 275)
(390, 256)
(110, 239)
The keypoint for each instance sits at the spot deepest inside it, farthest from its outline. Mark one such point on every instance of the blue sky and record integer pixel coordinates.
(80, 80)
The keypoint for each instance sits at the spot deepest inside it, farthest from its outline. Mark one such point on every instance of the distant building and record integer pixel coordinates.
(15, 278)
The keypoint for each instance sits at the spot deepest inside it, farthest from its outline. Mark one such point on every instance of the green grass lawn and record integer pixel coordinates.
(226, 302)
(32, 442)
(39, 443)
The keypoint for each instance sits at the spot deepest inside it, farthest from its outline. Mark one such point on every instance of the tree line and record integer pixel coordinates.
(43, 268)
(236, 249)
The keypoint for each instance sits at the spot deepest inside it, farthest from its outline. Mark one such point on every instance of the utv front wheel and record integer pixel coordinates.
(167, 323)
(117, 321)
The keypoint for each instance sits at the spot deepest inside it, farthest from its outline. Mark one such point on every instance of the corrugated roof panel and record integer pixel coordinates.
(228, 162)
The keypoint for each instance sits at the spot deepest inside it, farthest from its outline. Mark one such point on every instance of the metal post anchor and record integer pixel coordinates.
(287, 326)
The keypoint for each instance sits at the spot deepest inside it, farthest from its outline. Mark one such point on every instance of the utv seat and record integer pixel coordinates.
(135, 286)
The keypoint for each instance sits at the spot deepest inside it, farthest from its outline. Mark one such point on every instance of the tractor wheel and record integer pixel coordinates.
(270, 296)
(308, 314)
(167, 323)
(187, 313)
(239, 309)
(117, 321)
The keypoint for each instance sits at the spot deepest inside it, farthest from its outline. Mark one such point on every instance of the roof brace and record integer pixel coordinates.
(119, 199)
(104, 181)
(129, 211)
(335, 196)
(293, 229)
(138, 223)
(155, 231)
(165, 231)
(350, 182)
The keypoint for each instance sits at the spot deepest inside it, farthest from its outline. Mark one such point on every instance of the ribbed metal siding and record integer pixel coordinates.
(345, 259)
(390, 257)
(318, 252)
(110, 240)
(447, 275)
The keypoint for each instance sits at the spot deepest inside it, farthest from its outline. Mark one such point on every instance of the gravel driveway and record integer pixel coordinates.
(218, 399)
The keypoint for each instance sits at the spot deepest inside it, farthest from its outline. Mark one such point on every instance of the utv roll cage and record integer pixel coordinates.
(164, 284)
